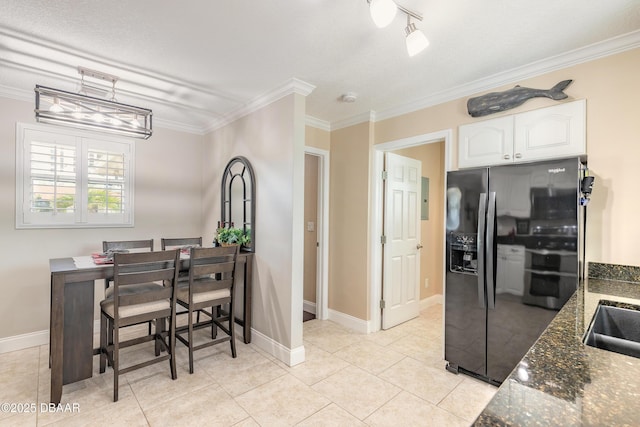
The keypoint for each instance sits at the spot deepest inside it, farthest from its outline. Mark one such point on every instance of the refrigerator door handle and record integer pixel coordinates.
(482, 214)
(491, 274)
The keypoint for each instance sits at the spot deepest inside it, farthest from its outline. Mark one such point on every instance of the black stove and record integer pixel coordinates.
(552, 242)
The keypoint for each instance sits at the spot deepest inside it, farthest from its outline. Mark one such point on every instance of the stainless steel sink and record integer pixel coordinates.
(615, 329)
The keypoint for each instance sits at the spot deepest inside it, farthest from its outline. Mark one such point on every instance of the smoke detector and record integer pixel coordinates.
(349, 97)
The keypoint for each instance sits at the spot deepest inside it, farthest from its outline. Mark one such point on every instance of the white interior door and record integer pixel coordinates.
(401, 259)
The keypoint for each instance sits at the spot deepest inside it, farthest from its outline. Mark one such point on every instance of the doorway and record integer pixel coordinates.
(311, 243)
(377, 208)
(316, 234)
(402, 239)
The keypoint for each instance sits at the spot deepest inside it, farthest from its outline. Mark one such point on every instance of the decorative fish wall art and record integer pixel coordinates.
(495, 102)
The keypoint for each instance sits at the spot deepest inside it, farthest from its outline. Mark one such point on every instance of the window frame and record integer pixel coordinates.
(83, 142)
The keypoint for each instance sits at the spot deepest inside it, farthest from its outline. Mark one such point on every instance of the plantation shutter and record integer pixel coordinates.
(72, 180)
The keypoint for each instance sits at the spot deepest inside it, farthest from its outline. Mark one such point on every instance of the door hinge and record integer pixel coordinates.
(383, 239)
(384, 175)
(382, 304)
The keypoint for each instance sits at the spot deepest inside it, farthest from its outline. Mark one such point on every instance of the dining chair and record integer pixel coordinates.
(125, 245)
(182, 243)
(153, 297)
(211, 284)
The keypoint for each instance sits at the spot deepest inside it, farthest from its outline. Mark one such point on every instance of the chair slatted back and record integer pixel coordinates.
(171, 243)
(145, 267)
(127, 244)
(212, 268)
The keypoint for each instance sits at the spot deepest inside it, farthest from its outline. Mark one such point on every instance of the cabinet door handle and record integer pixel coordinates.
(506, 157)
(518, 155)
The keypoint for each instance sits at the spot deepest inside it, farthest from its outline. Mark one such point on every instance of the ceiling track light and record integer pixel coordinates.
(384, 11)
(415, 39)
(80, 110)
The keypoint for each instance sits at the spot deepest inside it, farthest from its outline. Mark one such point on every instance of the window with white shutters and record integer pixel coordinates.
(72, 179)
(106, 182)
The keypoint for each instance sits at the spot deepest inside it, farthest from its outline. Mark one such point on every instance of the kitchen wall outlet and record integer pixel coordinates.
(426, 282)
(311, 226)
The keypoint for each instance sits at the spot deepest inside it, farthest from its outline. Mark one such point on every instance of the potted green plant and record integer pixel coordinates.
(232, 236)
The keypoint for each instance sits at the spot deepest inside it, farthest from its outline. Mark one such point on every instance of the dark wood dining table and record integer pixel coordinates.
(72, 316)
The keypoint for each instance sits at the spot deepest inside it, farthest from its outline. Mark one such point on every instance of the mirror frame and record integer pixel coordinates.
(225, 197)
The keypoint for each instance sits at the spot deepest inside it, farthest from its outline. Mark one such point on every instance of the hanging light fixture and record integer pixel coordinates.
(89, 112)
(384, 11)
(416, 40)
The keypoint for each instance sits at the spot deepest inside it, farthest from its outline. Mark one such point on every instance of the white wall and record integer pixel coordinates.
(272, 139)
(168, 203)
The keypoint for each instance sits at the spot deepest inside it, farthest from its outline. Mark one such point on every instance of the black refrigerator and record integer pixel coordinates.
(514, 237)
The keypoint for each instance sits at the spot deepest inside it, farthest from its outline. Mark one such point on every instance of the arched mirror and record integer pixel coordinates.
(238, 198)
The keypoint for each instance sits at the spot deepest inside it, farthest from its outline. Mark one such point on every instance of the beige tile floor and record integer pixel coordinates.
(390, 378)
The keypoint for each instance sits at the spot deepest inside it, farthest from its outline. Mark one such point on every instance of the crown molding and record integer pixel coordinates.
(369, 116)
(46, 50)
(317, 123)
(300, 87)
(574, 57)
(17, 94)
(292, 86)
(177, 126)
(295, 86)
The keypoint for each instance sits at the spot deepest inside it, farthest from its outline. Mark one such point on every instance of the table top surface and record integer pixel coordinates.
(83, 263)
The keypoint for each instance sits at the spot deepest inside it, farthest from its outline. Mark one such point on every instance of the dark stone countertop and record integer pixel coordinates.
(562, 381)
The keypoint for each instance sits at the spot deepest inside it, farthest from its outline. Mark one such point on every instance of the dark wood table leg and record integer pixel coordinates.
(56, 338)
(71, 332)
(77, 363)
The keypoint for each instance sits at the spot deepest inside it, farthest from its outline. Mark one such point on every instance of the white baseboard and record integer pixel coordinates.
(432, 300)
(32, 339)
(290, 357)
(348, 321)
(309, 306)
(20, 342)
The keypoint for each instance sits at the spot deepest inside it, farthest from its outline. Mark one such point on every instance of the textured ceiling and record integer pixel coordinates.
(198, 62)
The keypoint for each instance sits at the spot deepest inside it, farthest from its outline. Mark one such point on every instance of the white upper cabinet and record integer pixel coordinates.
(557, 131)
(489, 142)
(547, 133)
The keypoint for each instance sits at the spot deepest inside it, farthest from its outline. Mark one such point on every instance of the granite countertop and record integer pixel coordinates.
(562, 381)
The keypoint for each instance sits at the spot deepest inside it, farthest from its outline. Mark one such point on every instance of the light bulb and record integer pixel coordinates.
(382, 12)
(56, 107)
(416, 40)
(134, 122)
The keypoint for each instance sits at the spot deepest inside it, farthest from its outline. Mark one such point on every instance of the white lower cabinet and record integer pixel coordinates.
(510, 270)
(546, 133)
